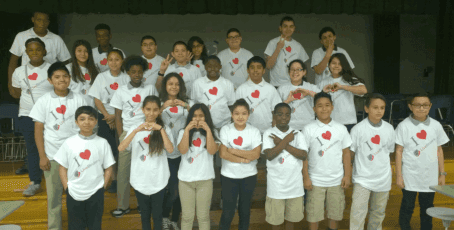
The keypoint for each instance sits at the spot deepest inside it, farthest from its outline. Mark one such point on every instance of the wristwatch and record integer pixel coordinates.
(443, 173)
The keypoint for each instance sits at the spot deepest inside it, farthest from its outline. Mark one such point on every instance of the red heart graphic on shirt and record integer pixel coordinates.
(235, 61)
(297, 95)
(213, 91)
(375, 140)
(174, 109)
(282, 161)
(61, 109)
(422, 134)
(198, 66)
(136, 99)
(150, 65)
(146, 139)
(289, 49)
(327, 135)
(85, 154)
(103, 61)
(197, 142)
(114, 86)
(33, 76)
(255, 94)
(238, 141)
(87, 77)
(181, 74)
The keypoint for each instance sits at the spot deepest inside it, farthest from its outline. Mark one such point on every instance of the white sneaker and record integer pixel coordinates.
(165, 223)
(32, 190)
(174, 225)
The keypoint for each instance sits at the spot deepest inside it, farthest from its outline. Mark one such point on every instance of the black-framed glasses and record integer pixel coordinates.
(419, 106)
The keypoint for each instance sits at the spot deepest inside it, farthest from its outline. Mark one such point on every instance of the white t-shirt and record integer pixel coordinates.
(284, 173)
(100, 58)
(234, 65)
(35, 84)
(217, 95)
(129, 100)
(82, 87)
(57, 115)
(317, 57)
(344, 110)
(55, 46)
(85, 158)
(151, 74)
(372, 146)
(149, 173)
(199, 64)
(189, 73)
(419, 158)
(105, 86)
(292, 50)
(247, 139)
(261, 98)
(326, 142)
(302, 109)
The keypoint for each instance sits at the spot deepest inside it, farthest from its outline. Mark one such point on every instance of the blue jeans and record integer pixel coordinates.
(172, 197)
(426, 200)
(150, 205)
(27, 128)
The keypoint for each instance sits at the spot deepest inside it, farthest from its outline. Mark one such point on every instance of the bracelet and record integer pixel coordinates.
(160, 74)
(160, 128)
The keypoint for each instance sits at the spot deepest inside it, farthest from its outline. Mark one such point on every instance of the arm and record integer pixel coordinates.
(11, 67)
(15, 92)
(118, 121)
(441, 166)
(107, 174)
(400, 180)
(212, 147)
(298, 153)
(346, 160)
(272, 153)
(226, 155)
(247, 154)
(101, 107)
(352, 156)
(355, 89)
(167, 143)
(63, 176)
(271, 60)
(159, 82)
(183, 147)
(306, 179)
(324, 63)
(125, 143)
(44, 162)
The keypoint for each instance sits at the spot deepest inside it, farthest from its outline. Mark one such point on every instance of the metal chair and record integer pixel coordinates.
(396, 109)
(445, 214)
(12, 144)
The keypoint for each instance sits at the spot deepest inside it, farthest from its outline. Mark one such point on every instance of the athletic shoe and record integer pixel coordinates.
(165, 223)
(32, 190)
(120, 212)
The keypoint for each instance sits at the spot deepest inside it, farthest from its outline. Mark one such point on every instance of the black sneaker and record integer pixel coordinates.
(113, 187)
(120, 212)
(138, 208)
(22, 170)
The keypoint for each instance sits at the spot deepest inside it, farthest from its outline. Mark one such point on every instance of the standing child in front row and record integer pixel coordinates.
(53, 115)
(372, 141)
(328, 170)
(285, 150)
(149, 168)
(86, 162)
(419, 160)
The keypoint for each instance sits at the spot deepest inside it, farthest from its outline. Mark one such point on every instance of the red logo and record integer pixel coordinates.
(150, 65)
(422, 134)
(61, 109)
(103, 61)
(238, 141)
(289, 49)
(255, 94)
(114, 86)
(198, 66)
(375, 140)
(87, 77)
(181, 74)
(235, 61)
(297, 95)
(213, 91)
(137, 98)
(146, 139)
(33, 76)
(197, 142)
(85, 155)
(327, 135)
(174, 109)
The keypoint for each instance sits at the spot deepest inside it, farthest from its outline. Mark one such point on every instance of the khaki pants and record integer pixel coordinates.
(361, 197)
(335, 203)
(195, 196)
(124, 172)
(54, 196)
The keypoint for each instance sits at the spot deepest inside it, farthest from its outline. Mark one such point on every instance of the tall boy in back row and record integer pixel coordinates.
(103, 36)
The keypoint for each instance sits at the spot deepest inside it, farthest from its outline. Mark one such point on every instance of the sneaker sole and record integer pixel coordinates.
(37, 191)
(121, 214)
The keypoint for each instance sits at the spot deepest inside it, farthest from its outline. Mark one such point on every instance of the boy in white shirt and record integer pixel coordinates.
(372, 141)
(259, 94)
(328, 170)
(321, 56)
(103, 36)
(85, 167)
(234, 59)
(419, 160)
(149, 46)
(53, 114)
(281, 51)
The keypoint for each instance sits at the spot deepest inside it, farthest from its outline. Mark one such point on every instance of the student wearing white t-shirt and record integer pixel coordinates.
(282, 50)
(321, 56)
(240, 150)
(372, 141)
(234, 59)
(103, 36)
(199, 53)
(343, 84)
(149, 46)
(53, 114)
(285, 150)
(259, 94)
(30, 83)
(328, 170)
(419, 160)
(298, 94)
(86, 163)
(197, 143)
(149, 143)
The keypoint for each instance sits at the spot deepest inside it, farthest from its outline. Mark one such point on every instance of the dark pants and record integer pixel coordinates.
(231, 188)
(425, 199)
(87, 213)
(105, 132)
(150, 206)
(349, 127)
(27, 128)
(172, 197)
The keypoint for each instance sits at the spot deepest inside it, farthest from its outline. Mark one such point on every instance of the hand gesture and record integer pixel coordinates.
(441, 180)
(276, 139)
(346, 181)
(189, 56)
(203, 125)
(165, 64)
(304, 92)
(307, 183)
(144, 127)
(330, 46)
(179, 102)
(337, 86)
(169, 103)
(245, 161)
(290, 97)
(155, 126)
(110, 118)
(44, 163)
(289, 138)
(191, 125)
(281, 43)
(328, 88)
(400, 182)
(112, 125)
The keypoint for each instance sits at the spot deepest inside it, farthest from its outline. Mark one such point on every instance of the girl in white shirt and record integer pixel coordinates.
(199, 53)
(149, 168)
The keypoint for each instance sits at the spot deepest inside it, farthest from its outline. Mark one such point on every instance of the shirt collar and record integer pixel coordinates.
(131, 87)
(262, 83)
(45, 36)
(100, 50)
(69, 96)
(416, 122)
(32, 67)
(378, 125)
(335, 48)
(87, 138)
(187, 66)
(321, 124)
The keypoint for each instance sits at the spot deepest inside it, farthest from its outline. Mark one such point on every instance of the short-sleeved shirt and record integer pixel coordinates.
(284, 173)
(292, 50)
(129, 100)
(55, 46)
(372, 145)
(189, 73)
(85, 158)
(35, 83)
(247, 139)
(151, 74)
(82, 87)
(317, 57)
(199, 64)
(302, 109)
(234, 65)
(326, 142)
(344, 110)
(149, 171)
(57, 114)
(100, 58)
(261, 98)
(217, 95)
(105, 86)
(420, 156)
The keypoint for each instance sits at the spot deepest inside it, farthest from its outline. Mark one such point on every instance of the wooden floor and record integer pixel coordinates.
(33, 214)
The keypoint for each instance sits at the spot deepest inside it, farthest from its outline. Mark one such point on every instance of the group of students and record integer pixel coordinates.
(163, 124)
